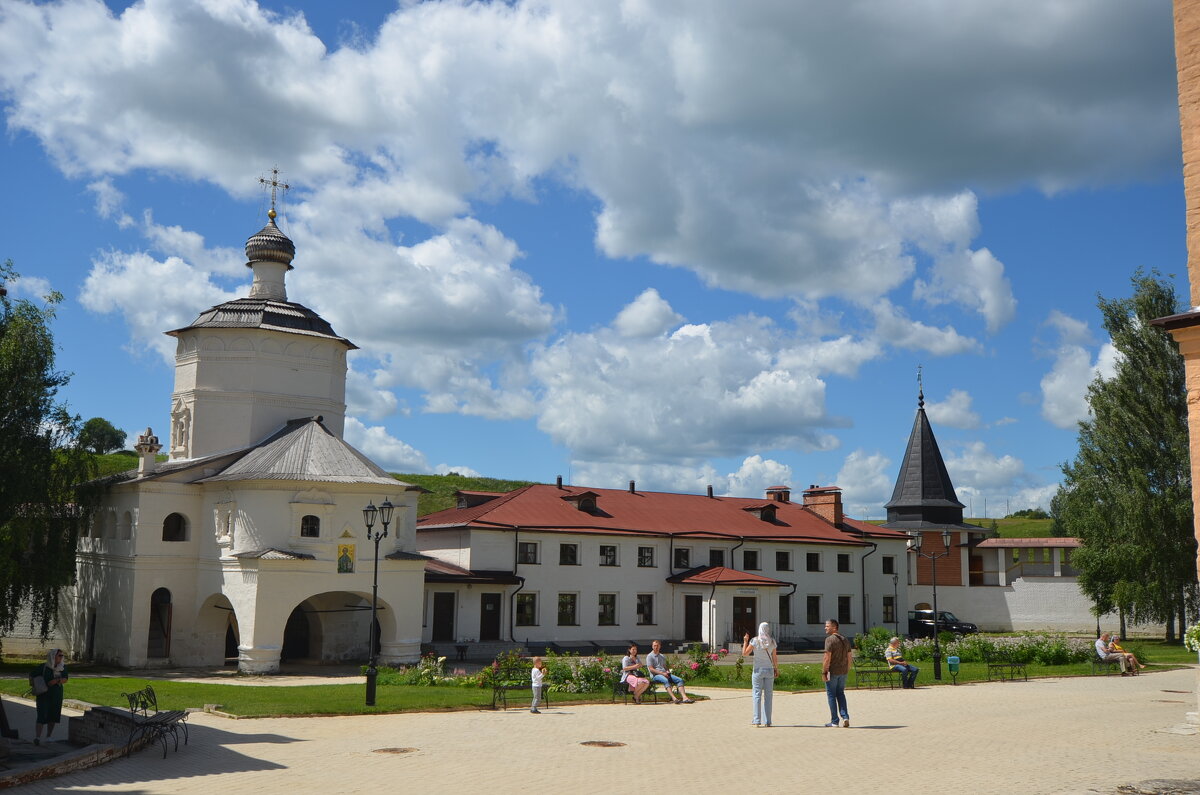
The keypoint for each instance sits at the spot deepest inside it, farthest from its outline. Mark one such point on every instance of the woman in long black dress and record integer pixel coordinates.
(49, 704)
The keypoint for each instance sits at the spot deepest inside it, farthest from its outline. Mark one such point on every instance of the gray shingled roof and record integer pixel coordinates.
(306, 450)
(924, 497)
(270, 553)
(267, 314)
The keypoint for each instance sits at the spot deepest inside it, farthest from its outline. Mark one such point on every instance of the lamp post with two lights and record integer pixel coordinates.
(384, 513)
(914, 544)
(896, 601)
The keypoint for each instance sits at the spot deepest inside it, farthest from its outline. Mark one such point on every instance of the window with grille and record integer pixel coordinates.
(527, 552)
(645, 608)
(608, 610)
(568, 613)
(526, 610)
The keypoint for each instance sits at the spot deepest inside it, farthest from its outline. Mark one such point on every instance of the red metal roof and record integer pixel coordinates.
(873, 530)
(720, 575)
(619, 511)
(1014, 543)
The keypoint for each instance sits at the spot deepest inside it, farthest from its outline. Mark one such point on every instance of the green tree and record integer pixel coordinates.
(1127, 494)
(45, 496)
(99, 436)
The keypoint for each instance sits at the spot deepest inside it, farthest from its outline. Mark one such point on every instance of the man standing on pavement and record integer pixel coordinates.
(834, 667)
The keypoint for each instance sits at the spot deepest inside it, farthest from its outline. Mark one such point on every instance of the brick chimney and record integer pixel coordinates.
(825, 501)
(779, 493)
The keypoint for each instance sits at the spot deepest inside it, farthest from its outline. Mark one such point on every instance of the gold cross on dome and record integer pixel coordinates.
(275, 185)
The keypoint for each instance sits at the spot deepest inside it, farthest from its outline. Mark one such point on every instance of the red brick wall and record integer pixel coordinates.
(949, 568)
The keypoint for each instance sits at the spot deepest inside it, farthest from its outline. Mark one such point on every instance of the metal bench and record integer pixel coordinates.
(1003, 667)
(149, 722)
(509, 676)
(621, 690)
(871, 673)
(1105, 667)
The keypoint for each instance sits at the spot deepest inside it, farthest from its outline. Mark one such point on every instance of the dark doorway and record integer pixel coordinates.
(158, 641)
(693, 617)
(295, 637)
(231, 645)
(744, 621)
(443, 616)
(489, 616)
(91, 634)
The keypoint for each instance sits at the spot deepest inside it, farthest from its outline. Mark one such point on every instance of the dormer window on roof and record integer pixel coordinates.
(584, 501)
(765, 512)
(469, 499)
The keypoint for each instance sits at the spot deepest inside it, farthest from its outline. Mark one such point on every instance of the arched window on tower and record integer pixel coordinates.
(174, 528)
(310, 526)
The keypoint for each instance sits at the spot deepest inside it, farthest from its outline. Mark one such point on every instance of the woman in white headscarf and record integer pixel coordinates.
(49, 703)
(766, 669)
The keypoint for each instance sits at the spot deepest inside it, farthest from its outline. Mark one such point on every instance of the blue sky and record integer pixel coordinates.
(686, 243)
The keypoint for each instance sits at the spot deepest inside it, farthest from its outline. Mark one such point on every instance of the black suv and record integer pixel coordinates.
(920, 624)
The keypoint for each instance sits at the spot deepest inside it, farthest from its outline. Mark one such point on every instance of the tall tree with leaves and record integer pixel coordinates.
(100, 436)
(45, 496)
(1127, 494)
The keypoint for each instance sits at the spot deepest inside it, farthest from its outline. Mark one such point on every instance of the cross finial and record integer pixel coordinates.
(920, 389)
(275, 185)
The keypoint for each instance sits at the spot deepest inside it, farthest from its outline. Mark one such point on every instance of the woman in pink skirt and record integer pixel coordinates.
(630, 670)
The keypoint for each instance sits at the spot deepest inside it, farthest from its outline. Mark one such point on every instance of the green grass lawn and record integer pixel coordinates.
(268, 700)
(348, 699)
(794, 678)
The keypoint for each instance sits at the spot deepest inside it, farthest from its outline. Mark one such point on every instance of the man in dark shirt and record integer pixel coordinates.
(834, 667)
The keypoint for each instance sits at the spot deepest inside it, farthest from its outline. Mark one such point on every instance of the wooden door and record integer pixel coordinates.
(443, 616)
(693, 617)
(489, 616)
(744, 620)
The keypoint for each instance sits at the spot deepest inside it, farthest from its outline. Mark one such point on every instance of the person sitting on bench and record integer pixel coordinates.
(630, 674)
(656, 661)
(1106, 654)
(1115, 646)
(896, 661)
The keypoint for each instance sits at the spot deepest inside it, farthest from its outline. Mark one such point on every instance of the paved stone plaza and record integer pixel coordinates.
(1090, 734)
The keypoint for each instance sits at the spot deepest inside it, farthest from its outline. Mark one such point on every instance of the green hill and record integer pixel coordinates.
(1017, 528)
(442, 487)
(1009, 528)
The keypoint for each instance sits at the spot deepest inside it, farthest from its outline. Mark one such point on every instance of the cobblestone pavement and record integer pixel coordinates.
(1082, 735)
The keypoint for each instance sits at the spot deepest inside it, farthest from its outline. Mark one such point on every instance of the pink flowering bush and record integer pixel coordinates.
(702, 660)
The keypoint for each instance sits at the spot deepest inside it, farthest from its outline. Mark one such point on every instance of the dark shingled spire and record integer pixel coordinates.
(924, 497)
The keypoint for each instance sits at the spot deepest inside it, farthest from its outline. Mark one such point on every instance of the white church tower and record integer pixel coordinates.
(245, 367)
(248, 543)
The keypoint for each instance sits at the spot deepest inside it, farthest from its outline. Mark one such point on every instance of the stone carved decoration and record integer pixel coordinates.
(181, 429)
(225, 521)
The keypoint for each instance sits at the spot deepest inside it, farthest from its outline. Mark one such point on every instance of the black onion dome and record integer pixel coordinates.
(270, 245)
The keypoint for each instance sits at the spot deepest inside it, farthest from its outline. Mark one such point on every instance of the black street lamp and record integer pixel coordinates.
(384, 512)
(915, 545)
(896, 601)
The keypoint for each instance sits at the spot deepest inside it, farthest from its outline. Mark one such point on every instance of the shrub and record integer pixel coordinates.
(430, 671)
(872, 642)
(1027, 647)
(701, 662)
(797, 677)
